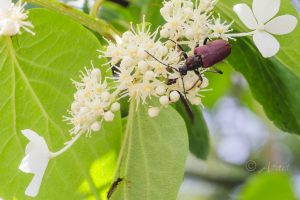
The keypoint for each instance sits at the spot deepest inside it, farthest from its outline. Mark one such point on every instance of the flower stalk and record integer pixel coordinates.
(95, 8)
(240, 34)
(65, 148)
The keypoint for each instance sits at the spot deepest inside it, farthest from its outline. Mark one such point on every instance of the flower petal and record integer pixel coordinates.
(282, 25)
(35, 138)
(266, 43)
(246, 15)
(264, 10)
(5, 4)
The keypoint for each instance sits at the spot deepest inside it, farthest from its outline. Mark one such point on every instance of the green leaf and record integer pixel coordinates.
(197, 130)
(219, 84)
(116, 14)
(275, 186)
(271, 84)
(148, 8)
(271, 81)
(153, 155)
(36, 91)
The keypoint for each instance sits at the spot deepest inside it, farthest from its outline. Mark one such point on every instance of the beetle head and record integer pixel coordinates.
(183, 70)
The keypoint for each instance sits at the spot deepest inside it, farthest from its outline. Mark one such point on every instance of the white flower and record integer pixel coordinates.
(93, 102)
(35, 161)
(260, 19)
(207, 5)
(219, 29)
(13, 18)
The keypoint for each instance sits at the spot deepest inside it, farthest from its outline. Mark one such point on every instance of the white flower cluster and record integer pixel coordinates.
(191, 24)
(145, 66)
(13, 18)
(93, 103)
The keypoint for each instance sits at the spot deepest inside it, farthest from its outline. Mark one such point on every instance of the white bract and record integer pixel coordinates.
(35, 161)
(261, 20)
(37, 156)
(13, 18)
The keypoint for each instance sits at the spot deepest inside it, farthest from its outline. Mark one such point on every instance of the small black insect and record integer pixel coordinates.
(113, 187)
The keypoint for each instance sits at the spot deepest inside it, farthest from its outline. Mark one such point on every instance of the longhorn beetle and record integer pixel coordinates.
(204, 57)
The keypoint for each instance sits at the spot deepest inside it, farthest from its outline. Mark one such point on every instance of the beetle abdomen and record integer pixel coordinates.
(213, 52)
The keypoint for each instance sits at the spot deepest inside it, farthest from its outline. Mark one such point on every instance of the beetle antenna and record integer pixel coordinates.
(184, 91)
(161, 62)
(187, 107)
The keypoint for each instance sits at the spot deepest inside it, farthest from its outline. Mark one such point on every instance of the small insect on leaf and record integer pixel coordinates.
(113, 187)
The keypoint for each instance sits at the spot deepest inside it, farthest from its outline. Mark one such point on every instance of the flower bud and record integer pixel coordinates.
(160, 90)
(174, 96)
(149, 75)
(164, 100)
(109, 116)
(96, 126)
(115, 107)
(153, 112)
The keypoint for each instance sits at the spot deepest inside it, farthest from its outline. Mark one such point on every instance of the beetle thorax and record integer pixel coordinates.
(193, 62)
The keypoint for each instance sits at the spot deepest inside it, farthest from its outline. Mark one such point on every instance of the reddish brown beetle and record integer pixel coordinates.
(206, 56)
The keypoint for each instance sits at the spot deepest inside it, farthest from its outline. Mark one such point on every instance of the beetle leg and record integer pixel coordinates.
(200, 79)
(198, 74)
(205, 41)
(171, 81)
(217, 70)
(181, 48)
